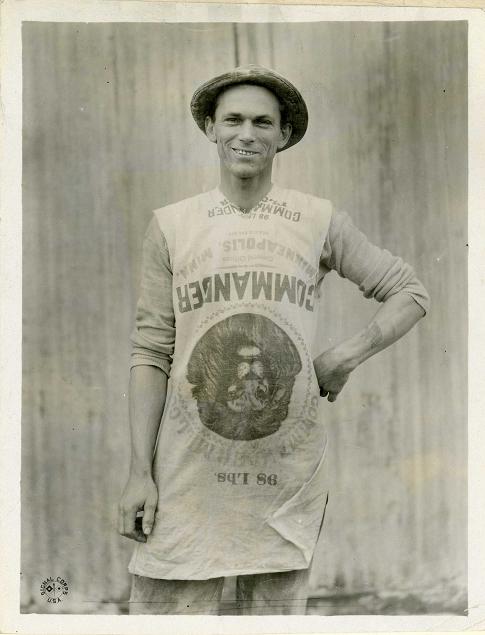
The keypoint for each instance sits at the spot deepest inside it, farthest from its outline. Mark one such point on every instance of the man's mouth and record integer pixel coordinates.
(244, 153)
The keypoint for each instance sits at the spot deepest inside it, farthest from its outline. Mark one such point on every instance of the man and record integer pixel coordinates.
(227, 308)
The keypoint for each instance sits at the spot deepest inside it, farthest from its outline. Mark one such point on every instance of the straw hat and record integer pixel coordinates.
(296, 113)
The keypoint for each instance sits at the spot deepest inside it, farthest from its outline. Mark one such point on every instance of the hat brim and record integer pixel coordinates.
(296, 112)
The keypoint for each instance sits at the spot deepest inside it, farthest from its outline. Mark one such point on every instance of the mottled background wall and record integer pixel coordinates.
(107, 138)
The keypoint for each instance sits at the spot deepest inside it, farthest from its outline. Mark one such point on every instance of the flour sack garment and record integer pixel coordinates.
(240, 457)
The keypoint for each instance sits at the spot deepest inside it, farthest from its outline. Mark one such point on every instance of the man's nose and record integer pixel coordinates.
(246, 131)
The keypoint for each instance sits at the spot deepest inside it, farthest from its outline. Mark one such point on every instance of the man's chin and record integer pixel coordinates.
(245, 171)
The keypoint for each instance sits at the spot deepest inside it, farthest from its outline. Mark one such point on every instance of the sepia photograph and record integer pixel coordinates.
(173, 226)
(244, 318)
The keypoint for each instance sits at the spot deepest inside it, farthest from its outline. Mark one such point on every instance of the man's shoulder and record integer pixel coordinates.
(297, 194)
(303, 199)
(184, 207)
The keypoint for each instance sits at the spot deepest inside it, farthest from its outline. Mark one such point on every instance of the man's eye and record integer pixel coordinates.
(232, 119)
(264, 123)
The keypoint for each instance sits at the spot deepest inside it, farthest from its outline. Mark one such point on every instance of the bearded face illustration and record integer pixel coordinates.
(243, 371)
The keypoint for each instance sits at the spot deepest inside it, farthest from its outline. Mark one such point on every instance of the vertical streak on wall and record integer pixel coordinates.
(235, 28)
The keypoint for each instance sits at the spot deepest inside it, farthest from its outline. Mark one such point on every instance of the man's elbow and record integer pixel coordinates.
(416, 303)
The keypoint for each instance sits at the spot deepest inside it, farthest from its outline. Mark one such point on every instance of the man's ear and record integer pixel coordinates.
(286, 129)
(209, 129)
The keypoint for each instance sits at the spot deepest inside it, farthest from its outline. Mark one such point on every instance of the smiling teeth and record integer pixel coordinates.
(247, 153)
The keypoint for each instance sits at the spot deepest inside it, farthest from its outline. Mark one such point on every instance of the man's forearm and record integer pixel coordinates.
(393, 320)
(148, 391)
(395, 317)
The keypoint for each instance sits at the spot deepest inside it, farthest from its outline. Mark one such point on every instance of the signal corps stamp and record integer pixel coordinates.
(54, 590)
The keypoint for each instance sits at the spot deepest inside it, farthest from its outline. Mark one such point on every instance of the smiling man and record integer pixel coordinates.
(247, 127)
(235, 484)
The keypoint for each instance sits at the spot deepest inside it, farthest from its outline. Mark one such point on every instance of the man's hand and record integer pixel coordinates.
(140, 494)
(332, 373)
(148, 390)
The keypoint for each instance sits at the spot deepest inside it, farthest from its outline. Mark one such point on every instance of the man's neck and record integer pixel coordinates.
(245, 193)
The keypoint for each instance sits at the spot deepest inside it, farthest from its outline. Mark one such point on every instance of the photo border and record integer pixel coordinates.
(13, 13)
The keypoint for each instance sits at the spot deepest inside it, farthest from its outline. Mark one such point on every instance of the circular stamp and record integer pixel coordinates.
(54, 589)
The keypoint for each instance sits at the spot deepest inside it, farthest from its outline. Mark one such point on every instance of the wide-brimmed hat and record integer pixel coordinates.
(296, 113)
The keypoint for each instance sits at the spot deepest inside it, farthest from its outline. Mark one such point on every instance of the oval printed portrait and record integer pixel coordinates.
(242, 372)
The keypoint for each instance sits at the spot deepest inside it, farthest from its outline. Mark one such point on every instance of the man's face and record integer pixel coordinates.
(247, 129)
(250, 388)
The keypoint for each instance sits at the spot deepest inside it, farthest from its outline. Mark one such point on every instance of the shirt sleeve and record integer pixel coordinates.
(376, 271)
(153, 336)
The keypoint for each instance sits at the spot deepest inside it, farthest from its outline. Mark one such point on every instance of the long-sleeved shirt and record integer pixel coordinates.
(228, 310)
